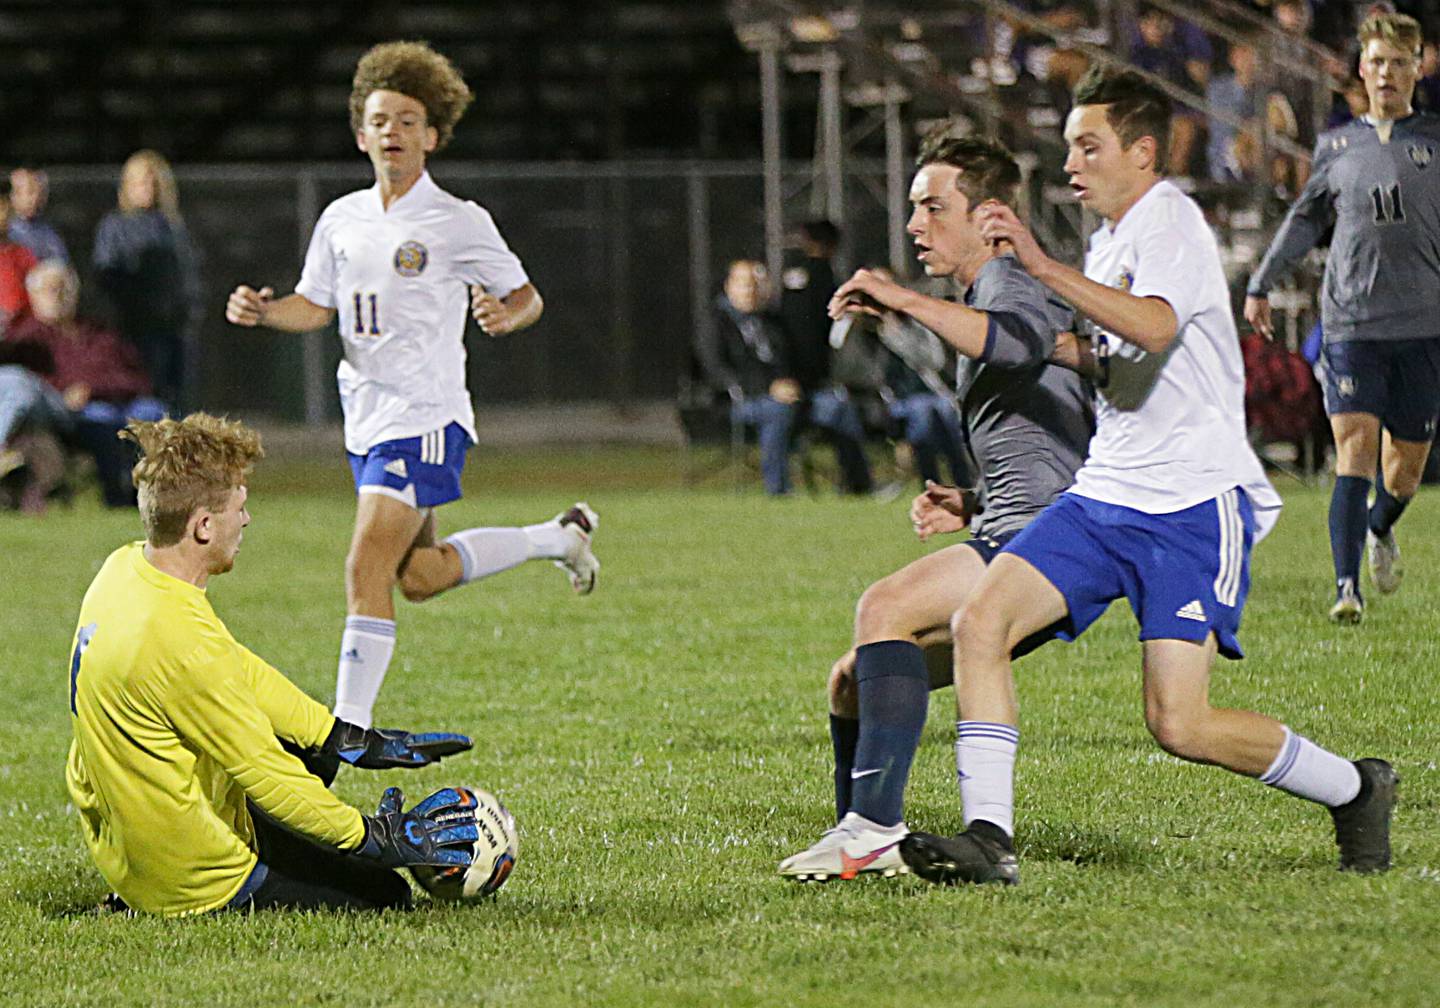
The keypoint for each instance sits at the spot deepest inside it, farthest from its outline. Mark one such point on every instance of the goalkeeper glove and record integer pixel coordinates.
(387, 748)
(431, 833)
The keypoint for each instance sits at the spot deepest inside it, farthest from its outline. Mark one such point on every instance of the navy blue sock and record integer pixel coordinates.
(1347, 526)
(1386, 510)
(844, 734)
(894, 689)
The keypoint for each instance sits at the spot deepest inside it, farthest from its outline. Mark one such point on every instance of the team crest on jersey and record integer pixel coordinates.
(1124, 281)
(410, 259)
(1420, 155)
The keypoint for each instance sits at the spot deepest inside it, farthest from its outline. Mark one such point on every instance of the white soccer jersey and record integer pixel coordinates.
(398, 279)
(1170, 427)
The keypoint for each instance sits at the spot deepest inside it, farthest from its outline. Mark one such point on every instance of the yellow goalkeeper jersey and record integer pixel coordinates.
(176, 724)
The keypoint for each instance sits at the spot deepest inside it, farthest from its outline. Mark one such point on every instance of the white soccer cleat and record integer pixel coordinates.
(579, 561)
(853, 846)
(1386, 570)
(1349, 608)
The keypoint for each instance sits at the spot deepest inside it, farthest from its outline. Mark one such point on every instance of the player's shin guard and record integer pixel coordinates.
(894, 690)
(1305, 770)
(1386, 510)
(844, 736)
(365, 650)
(1347, 526)
(985, 766)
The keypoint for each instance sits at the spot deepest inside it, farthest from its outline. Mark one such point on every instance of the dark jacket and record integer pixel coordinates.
(748, 351)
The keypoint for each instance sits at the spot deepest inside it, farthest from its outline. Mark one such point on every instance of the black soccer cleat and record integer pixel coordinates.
(1362, 825)
(982, 853)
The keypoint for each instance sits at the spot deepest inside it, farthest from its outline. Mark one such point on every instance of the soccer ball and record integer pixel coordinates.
(494, 851)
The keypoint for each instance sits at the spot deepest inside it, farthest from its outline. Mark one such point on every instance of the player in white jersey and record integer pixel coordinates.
(399, 263)
(1164, 511)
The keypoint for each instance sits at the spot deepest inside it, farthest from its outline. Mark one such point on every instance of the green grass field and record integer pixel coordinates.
(663, 745)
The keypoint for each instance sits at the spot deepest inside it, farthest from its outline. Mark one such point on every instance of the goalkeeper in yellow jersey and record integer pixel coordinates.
(188, 798)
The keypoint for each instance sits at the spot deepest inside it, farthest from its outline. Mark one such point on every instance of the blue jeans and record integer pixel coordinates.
(96, 425)
(26, 397)
(832, 411)
(774, 422)
(932, 429)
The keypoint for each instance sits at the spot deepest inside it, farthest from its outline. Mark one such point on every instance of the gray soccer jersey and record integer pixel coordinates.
(1028, 421)
(1383, 199)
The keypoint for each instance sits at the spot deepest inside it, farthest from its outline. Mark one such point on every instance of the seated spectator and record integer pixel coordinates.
(749, 359)
(1181, 54)
(15, 261)
(29, 189)
(907, 360)
(1427, 89)
(1237, 93)
(31, 460)
(97, 375)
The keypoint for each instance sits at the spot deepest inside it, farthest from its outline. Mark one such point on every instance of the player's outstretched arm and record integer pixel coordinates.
(517, 310)
(870, 293)
(390, 748)
(1147, 322)
(429, 834)
(292, 313)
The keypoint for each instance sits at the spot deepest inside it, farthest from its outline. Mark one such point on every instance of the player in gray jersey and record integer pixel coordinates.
(1028, 423)
(1376, 181)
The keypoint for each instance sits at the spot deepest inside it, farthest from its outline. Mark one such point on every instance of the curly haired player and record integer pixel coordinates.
(394, 263)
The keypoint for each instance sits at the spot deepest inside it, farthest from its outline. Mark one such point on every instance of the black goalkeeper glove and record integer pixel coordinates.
(387, 748)
(439, 831)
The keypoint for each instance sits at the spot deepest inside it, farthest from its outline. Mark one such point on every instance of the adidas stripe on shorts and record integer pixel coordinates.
(1186, 573)
(422, 471)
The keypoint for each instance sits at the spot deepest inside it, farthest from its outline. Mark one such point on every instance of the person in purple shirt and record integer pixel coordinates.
(29, 190)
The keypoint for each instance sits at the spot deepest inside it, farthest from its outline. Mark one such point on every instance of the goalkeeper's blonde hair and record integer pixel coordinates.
(187, 465)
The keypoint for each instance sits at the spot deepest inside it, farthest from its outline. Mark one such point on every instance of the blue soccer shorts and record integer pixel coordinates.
(1395, 380)
(421, 471)
(1185, 574)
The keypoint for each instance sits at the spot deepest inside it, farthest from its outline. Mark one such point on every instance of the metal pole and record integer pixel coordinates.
(834, 150)
(770, 142)
(697, 198)
(895, 181)
(312, 344)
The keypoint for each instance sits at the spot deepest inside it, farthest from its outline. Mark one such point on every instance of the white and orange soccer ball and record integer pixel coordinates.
(494, 851)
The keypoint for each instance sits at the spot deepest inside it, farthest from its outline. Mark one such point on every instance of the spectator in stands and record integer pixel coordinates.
(1293, 43)
(1427, 88)
(145, 262)
(1180, 53)
(908, 361)
(804, 300)
(97, 375)
(1237, 93)
(15, 262)
(1352, 102)
(749, 359)
(29, 190)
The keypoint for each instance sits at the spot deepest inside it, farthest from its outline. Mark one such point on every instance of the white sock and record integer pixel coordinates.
(985, 766)
(365, 650)
(487, 551)
(1304, 769)
(548, 539)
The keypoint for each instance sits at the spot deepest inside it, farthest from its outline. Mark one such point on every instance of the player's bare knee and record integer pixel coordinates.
(416, 587)
(1179, 734)
(875, 613)
(976, 630)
